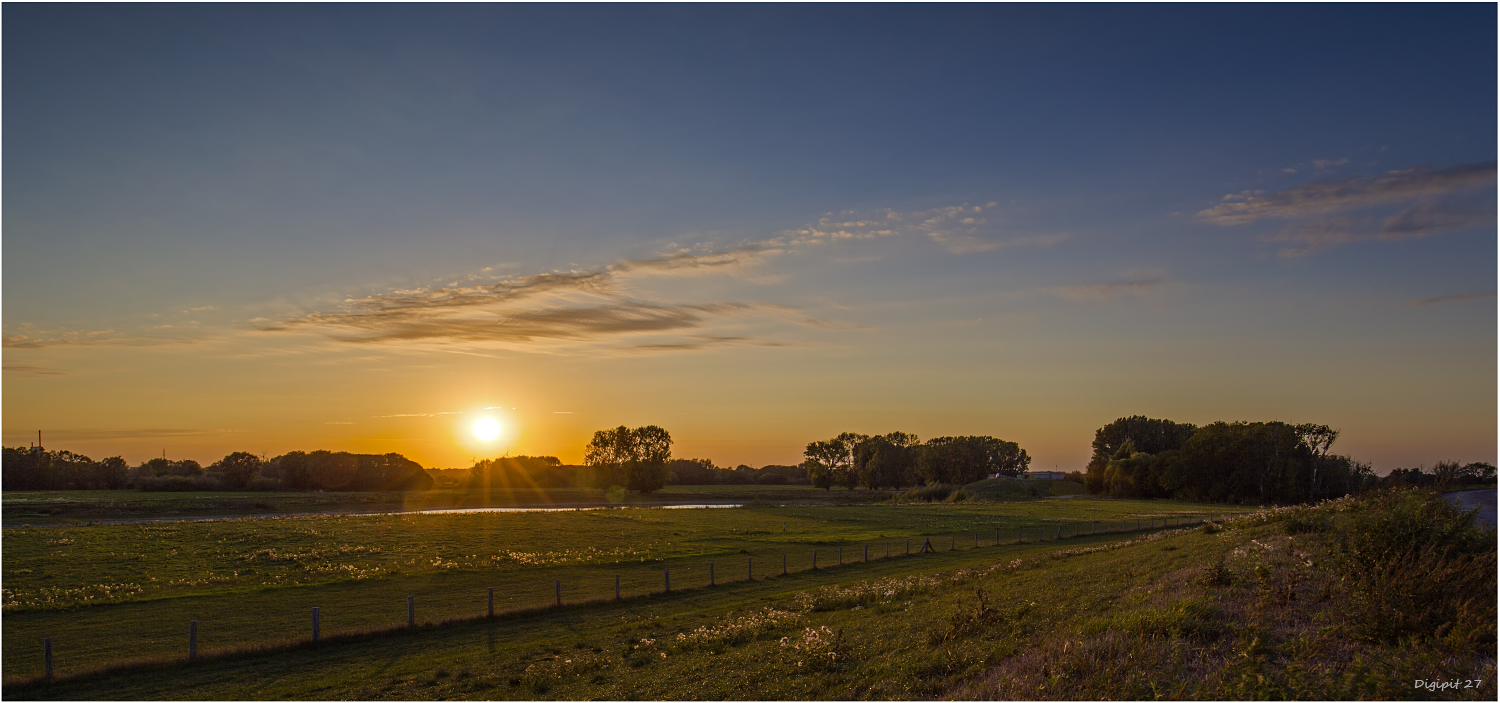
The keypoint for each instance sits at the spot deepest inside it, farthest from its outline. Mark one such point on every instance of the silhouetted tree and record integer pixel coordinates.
(968, 459)
(1145, 435)
(236, 470)
(636, 458)
(888, 460)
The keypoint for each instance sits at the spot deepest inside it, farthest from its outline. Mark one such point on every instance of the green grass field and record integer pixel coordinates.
(1294, 603)
(107, 593)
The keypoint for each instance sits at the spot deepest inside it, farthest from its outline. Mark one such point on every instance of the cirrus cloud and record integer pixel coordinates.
(1413, 203)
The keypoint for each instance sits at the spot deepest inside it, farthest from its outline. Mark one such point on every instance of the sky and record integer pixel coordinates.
(365, 227)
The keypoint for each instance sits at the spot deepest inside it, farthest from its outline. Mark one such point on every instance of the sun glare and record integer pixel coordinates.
(486, 429)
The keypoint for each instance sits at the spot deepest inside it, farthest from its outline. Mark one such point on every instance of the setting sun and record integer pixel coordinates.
(486, 429)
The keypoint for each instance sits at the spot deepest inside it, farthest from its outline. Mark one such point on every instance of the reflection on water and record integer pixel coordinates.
(439, 511)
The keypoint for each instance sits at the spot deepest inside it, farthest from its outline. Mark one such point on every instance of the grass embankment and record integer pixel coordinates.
(106, 593)
(1353, 599)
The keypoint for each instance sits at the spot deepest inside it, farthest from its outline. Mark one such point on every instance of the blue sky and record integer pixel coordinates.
(229, 227)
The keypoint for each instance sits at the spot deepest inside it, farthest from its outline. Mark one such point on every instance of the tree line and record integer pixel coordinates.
(32, 469)
(899, 460)
(521, 474)
(1237, 462)
(1133, 457)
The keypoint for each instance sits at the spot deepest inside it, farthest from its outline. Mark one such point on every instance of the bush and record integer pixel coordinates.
(179, 484)
(262, 483)
(1415, 567)
(926, 494)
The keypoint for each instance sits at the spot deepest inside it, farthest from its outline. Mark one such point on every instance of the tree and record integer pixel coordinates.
(647, 471)
(293, 469)
(825, 459)
(968, 459)
(636, 458)
(844, 475)
(1146, 434)
(1318, 438)
(114, 472)
(1477, 472)
(691, 472)
(237, 469)
(886, 460)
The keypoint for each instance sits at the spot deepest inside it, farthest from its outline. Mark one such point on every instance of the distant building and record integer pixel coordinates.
(1052, 475)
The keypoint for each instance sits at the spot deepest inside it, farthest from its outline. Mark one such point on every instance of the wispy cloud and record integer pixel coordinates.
(31, 370)
(1456, 298)
(1319, 164)
(1099, 292)
(30, 337)
(155, 433)
(450, 412)
(702, 342)
(960, 229)
(551, 310)
(607, 308)
(1330, 213)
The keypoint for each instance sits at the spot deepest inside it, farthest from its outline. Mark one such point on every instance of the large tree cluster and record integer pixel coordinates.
(32, 469)
(635, 459)
(1237, 462)
(899, 459)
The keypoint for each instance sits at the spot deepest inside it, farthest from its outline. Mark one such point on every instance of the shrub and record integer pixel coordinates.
(926, 494)
(179, 483)
(262, 483)
(1415, 567)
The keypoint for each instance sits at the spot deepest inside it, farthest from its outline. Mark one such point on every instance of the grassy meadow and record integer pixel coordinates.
(105, 593)
(1351, 599)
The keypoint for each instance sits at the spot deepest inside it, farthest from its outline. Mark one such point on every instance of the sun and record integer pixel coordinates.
(486, 429)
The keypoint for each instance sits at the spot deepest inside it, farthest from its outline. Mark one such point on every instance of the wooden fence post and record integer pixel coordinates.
(617, 587)
(997, 537)
(315, 623)
(867, 552)
(908, 547)
(193, 640)
(783, 563)
(710, 573)
(666, 575)
(887, 549)
(1059, 533)
(815, 559)
(976, 540)
(841, 555)
(557, 590)
(47, 655)
(491, 599)
(952, 542)
(411, 611)
(749, 569)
